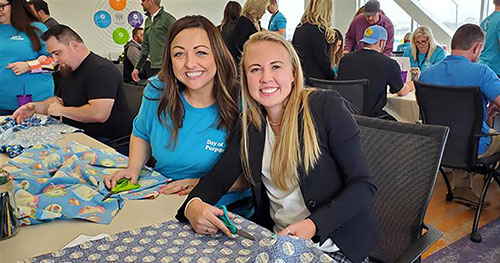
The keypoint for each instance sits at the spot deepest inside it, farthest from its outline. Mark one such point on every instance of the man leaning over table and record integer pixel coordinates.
(460, 69)
(89, 94)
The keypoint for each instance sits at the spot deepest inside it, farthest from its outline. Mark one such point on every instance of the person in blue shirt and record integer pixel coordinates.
(423, 51)
(277, 23)
(20, 42)
(337, 51)
(188, 111)
(460, 69)
(491, 53)
(406, 43)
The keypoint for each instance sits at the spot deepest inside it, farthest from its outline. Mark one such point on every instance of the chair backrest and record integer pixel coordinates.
(460, 109)
(404, 160)
(134, 96)
(354, 91)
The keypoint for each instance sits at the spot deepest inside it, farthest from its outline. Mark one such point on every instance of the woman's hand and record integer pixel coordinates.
(19, 68)
(110, 180)
(203, 218)
(303, 229)
(180, 187)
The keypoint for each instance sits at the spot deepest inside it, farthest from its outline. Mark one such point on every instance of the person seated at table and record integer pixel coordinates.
(370, 63)
(406, 43)
(20, 43)
(89, 88)
(300, 148)
(460, 69)
(188, 111)
(337, 51)
(423, 51)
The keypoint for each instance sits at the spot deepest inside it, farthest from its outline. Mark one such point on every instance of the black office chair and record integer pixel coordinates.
(460, 109)
(354, 91)
(133, 93)
(404, 160)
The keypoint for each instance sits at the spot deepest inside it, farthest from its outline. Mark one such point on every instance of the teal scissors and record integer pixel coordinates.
(232, 227)
(121, 185)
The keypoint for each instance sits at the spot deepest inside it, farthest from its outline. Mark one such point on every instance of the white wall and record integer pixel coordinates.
(78, 14)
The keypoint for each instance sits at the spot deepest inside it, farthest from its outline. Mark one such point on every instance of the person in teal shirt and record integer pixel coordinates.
(491, 53)
(188, 112)
(406, 43)
(20, 42)
(423, 51)
(277, 23)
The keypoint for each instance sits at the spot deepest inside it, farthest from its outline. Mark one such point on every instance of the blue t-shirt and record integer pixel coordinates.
(491, 53)
(15, 46)
(422, 62)
(459, 71)
(199, 145)
(403, 47)
(277, 22)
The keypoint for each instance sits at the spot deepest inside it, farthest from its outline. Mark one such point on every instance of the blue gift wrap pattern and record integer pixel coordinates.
(177, 242)
(53, 182)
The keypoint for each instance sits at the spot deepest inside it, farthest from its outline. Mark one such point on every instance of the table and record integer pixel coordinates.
(40, 239)
(403, 108)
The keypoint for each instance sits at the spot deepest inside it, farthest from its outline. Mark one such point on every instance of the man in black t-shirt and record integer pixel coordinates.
(89, 93)
(370, 63)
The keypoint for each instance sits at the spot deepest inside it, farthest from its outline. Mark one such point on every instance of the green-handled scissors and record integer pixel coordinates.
(121, 185)
(232, 227)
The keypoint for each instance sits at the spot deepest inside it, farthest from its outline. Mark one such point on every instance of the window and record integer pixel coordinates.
(454, 13)
(292, 10)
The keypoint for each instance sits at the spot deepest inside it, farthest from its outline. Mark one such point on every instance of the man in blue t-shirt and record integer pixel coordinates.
(277, 23)
(460, 69)
(491, 53)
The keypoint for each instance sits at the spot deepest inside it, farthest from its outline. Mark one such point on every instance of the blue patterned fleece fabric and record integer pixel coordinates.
(53, 182)
(177, 242)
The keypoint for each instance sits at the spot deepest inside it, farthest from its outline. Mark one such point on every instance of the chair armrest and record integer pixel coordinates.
(420, 245)
(487, 134)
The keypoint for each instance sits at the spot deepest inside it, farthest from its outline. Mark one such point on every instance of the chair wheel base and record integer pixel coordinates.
(449, 197)
(475, 237)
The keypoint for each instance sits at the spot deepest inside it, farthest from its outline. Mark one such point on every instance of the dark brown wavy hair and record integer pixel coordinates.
(225, 90)
(21, 18)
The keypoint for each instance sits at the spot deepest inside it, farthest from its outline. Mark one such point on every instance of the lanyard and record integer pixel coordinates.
(418, 58)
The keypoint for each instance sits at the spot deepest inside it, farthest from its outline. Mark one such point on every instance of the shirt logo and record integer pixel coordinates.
(17, 38)
(216, 147)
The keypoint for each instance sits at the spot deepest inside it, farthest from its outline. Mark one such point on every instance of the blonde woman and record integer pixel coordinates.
(247, 24)
(423, 51)
(301, 150)
(313, 38)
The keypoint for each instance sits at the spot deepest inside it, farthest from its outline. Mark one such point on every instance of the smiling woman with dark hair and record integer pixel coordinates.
(187, 112)
(20, 42)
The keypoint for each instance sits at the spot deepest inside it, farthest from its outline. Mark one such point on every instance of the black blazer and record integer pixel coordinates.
(337, 192)
(314, 51)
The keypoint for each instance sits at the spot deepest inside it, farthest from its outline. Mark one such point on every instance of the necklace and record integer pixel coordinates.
(273, 124)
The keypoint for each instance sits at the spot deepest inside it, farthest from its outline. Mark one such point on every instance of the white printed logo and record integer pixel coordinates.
(216, 147)
(17, 38)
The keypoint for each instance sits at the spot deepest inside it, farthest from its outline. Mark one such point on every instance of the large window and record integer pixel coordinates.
(454, 13)
(400, 19)
(292, 10)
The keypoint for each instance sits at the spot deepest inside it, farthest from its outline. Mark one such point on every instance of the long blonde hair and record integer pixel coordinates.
(287, 153)
(254, 9)
(424, 31)
(335, 57)
(319, 13)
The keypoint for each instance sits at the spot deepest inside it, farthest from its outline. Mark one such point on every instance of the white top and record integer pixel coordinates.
(286, 207)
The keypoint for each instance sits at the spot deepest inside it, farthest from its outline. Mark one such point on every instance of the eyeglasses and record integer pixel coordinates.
(421, 42)
(2, 6)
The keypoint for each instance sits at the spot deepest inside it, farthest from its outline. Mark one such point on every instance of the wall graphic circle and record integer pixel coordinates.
(135, 19)
(120, 36)
(102, 19)
(118, 5)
